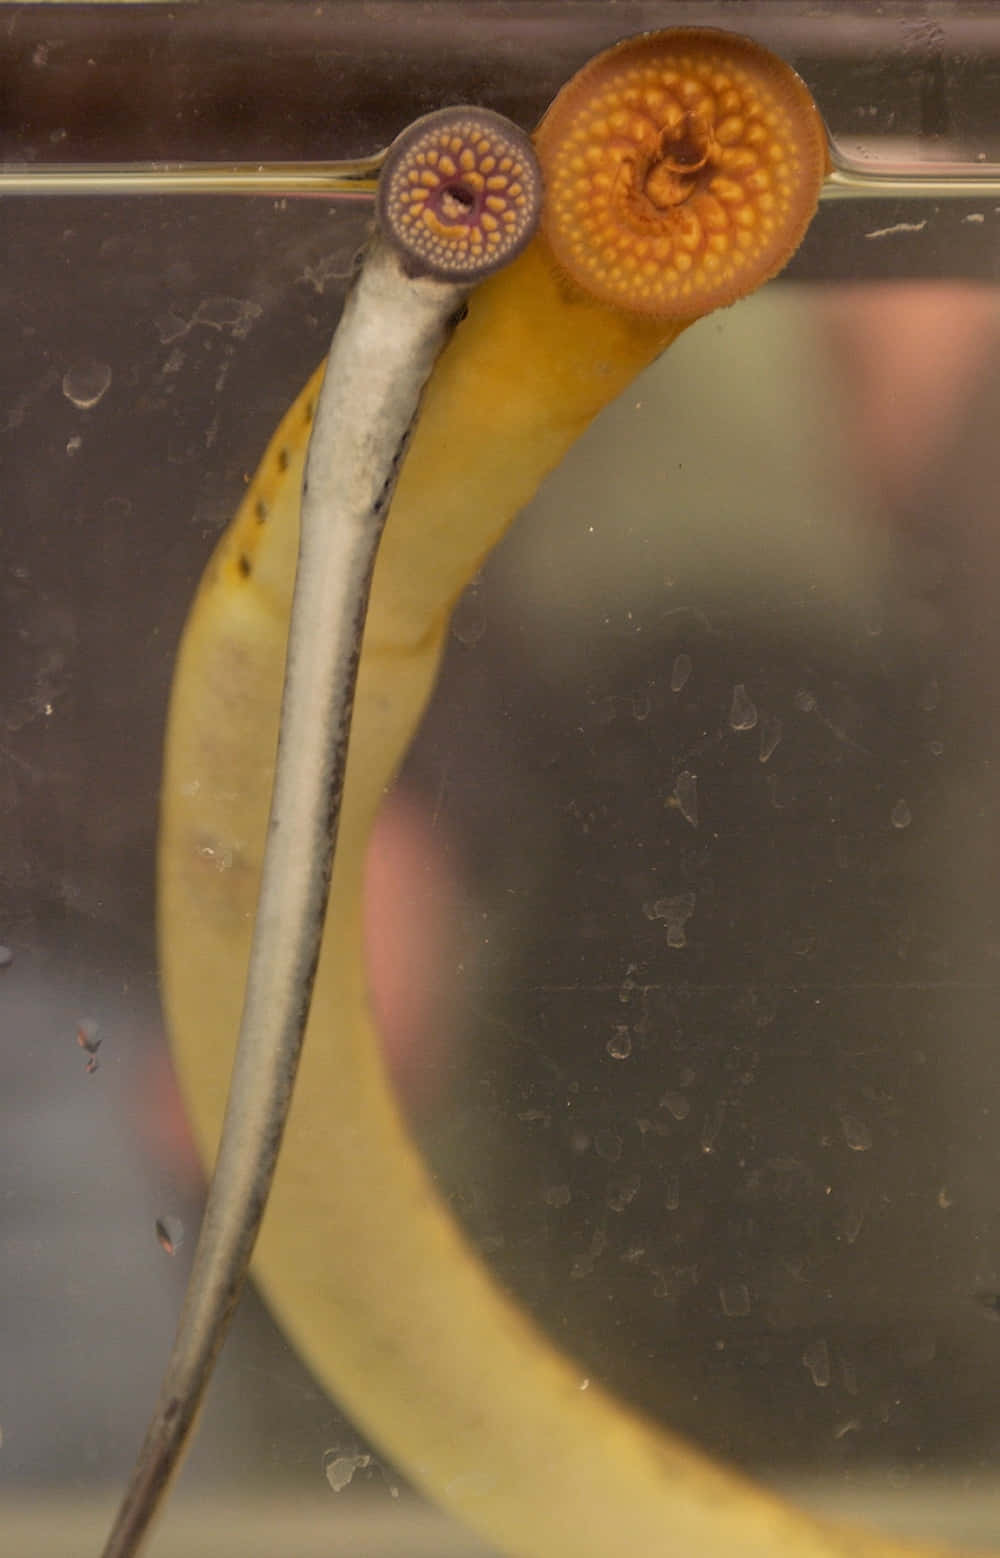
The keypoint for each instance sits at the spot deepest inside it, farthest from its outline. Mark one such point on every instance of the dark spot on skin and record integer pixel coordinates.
(245, 565)
(283, 459)
(260, 509)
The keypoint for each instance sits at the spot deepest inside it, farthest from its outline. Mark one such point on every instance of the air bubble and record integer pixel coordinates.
(901, 815)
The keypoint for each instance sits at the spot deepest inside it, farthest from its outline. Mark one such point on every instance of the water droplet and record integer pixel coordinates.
(622, 1193)
(619, 1046)
(682, 668)
(742, 710)
(686, 796)
(770, 736)
(584, 1265)
(628, 984)
(935, 748)
(817, 1360)
(856, 1133)
(901, 815)
(608, 1145)
(86, 383)
(340, 1469)
(468, 620)
(557, 1195)
(806, 702)
(676, 911)
(642, 705)
(711, 1126)
(6, 957)
(676, 1103)
(930, 695)
(735, 1299)
(852, 1222)
(849, 1375)
(170, 1234)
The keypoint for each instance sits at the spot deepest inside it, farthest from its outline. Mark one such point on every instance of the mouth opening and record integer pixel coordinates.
(455, 203)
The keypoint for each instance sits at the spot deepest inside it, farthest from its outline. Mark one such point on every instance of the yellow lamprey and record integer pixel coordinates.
(681, 171)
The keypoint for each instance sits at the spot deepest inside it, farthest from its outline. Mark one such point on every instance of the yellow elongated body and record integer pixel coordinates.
(361, 1264)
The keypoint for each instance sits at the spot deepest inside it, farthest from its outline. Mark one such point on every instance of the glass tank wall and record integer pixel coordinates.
(684, 912)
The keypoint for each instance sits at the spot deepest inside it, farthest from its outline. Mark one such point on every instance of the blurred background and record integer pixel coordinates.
(702, 1040)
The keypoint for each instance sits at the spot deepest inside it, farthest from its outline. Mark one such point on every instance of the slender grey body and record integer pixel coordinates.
(395, 321)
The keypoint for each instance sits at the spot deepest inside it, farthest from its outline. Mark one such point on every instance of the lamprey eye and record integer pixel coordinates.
(681, 171)
(460, 193)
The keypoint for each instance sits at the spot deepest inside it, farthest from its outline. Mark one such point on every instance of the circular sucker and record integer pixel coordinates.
(681, 169)
(460, 193)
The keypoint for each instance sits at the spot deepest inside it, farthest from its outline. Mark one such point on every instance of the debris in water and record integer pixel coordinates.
(88, 1040)
(170, 1234)
(340, 1469)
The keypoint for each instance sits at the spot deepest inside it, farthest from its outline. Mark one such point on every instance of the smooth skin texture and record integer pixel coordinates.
(460, 196)
(681, 171)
